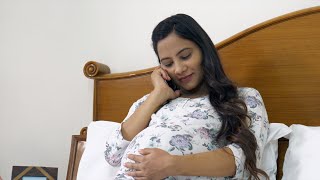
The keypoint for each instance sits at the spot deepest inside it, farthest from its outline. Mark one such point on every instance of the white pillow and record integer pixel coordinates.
(93, 164)
(302, 157)
(270, 152)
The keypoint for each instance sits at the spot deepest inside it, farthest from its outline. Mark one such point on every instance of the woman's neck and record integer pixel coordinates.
(199, 91)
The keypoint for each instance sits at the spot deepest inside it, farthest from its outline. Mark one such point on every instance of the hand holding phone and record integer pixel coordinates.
(161, 81)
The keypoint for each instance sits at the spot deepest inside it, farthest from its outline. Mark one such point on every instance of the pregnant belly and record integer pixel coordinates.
(176, 140)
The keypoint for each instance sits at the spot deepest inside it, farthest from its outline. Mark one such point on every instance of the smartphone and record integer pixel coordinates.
(172, 85)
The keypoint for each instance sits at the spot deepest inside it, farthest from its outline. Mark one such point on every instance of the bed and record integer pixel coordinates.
(279, 57)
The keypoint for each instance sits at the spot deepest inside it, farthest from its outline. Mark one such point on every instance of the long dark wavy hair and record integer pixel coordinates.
(223, 93)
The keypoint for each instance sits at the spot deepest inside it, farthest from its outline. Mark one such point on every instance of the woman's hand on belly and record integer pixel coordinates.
(153, 164)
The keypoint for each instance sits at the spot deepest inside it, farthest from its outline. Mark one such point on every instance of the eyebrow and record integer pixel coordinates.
(176, 54)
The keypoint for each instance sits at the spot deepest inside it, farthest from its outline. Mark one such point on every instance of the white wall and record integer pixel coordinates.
(45, 98)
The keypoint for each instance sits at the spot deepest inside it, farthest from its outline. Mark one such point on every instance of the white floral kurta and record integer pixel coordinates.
(188, 126)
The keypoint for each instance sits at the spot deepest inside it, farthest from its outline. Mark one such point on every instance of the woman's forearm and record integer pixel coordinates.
(139, 120)
(218, 163)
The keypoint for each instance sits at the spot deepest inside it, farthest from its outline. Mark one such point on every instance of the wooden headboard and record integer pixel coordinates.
(280, 58)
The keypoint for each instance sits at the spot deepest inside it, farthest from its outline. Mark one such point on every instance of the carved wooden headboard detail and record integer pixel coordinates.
(280, 58)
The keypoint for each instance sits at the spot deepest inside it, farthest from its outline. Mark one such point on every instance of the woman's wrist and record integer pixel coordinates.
(175, 166)
(160, 97)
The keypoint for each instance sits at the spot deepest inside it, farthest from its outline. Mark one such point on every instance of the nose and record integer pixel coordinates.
(180, 68)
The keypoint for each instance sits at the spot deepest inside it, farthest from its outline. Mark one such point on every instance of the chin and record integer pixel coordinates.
(192, 87)
(188, 88)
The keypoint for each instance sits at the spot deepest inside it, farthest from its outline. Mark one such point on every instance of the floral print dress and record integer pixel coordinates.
(188, 126)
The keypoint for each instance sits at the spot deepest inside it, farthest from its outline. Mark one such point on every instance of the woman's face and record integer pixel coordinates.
(182, 59)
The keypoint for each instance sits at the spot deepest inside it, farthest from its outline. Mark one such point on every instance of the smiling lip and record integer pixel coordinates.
(186, 79)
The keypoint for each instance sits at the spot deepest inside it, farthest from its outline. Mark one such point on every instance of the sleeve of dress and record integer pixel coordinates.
(259, 126)
(116, 144)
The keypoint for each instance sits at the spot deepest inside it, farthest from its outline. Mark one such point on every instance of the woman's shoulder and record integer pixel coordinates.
(251, 97)
(248, 91)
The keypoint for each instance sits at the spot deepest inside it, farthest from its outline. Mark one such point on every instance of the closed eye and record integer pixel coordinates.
(186, 57)
(167, 64)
